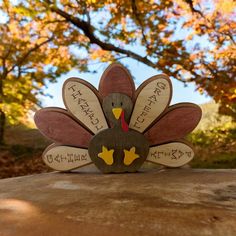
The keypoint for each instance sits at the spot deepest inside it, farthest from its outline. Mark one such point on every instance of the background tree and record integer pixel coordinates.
(29, 57)
(188, 40)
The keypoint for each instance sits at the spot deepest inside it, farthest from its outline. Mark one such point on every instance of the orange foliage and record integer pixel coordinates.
(188, 40)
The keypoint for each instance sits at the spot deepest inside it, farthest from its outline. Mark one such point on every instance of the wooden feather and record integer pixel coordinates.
(116, 79)
(83, 102)
(64, 158)
(178, 120)
(173, 154)
(59, 126)
(152, 98)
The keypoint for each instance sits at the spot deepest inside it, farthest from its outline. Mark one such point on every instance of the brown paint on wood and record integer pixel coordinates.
(116, 139)
(58, 125)
(175, 123)
(117, 100)
(116, 79)
(126, 150)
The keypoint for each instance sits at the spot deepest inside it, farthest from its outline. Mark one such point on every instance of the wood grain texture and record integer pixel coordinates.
(166, 202)
(64, 158)
(59, 126)
(174, 154)
(178, 120)
(152, 98)
(116, 79)
(82, 101)
(119, 141)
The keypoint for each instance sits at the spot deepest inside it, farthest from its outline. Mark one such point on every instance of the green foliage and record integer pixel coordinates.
(220, 161)
(214, 136)
(23, 141)
(25, 135)
(21, 151)
(214, 140)
(211, 117)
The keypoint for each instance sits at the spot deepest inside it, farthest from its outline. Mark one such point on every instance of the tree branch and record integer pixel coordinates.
(190, 3)
(135, 12)
(88, 31)
(23, 58)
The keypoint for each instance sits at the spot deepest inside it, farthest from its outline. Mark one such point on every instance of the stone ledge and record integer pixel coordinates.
(155, 202)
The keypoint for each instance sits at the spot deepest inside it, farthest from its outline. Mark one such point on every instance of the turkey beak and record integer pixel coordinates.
(117, 112)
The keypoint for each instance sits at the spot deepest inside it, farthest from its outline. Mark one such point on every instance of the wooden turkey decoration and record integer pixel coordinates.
(117, 127)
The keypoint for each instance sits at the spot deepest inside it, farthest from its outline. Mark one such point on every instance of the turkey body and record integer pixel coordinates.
(117, 140)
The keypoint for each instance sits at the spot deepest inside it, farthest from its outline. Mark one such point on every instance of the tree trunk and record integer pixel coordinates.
(2, 126)
(3, 76)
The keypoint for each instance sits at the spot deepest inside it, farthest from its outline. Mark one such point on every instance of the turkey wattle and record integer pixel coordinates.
(118, 149)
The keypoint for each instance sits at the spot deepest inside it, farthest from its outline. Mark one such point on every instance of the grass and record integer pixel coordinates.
(214, 140)
(24, 136)
(22, 141)
(21, 151)
(21, 154)
(217, 161)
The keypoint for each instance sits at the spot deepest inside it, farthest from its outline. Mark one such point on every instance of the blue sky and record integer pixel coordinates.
(139, 71)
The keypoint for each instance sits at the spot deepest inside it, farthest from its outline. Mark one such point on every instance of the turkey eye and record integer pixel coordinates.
(112, 104)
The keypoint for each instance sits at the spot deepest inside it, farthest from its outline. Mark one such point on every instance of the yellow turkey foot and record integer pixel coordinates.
(130, 156)
(107, 155)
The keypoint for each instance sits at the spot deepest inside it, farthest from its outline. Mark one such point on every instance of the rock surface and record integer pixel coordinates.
(154, 202)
